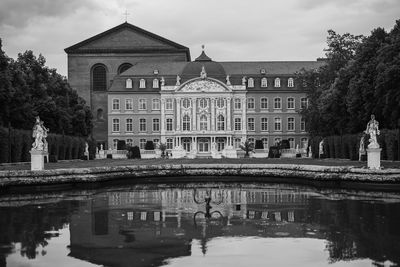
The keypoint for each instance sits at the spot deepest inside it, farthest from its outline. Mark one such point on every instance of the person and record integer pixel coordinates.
(373, 131)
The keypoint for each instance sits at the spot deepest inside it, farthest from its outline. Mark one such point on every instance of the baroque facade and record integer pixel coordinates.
(144, 87)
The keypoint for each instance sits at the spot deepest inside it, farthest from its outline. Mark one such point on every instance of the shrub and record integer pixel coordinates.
(259, 144)
(4, 145)
(121, 145)
(136, 152)
(149, 145)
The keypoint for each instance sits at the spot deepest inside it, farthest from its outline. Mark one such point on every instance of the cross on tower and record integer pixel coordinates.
(126, 15)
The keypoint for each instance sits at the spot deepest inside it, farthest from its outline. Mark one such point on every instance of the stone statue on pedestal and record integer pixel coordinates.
(178, 80)
(228, 82)
(40, 134)
(321, 148)
(373, 131)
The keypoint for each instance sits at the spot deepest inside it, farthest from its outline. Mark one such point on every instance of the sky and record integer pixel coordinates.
(231, 30)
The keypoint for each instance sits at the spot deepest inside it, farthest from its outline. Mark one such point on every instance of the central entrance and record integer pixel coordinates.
(186, 143)
(204, 144)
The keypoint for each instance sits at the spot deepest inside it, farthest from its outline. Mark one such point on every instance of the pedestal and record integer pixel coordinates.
(37, 160)
(374, 158)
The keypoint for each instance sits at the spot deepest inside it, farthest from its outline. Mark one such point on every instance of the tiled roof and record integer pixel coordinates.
(147, 68)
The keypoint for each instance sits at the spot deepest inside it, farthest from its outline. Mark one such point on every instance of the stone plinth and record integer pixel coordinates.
(37, 160)
(374, 158)
(229, 152)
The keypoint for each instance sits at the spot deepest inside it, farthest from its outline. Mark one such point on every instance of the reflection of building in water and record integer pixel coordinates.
(164, 219)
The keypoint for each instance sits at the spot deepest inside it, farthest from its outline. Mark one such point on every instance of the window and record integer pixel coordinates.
(100, 115)
(203, 123)
(250, 103)
(156, 142)
(155, 104)
(129, 142)
(170, 143)
(129, 104)
(250, 124)
(278, 124)
(290, 82)
(238, 124)
(124, 67)
(290, 124)
(142, 104)
(277, 82)
(250, 83)
(237, 142)
(169, 124)
(304, 142)
(304, 102)
(156, 125)
(291, 142)
(203, 103)
(156, 83)
(169, 104)
(238, 103)
(99, 78)
(290, 103)
(264, 124)
(115, 143)
(277, 140)
(264, 82)
(186, 103)
(115, 104)
(251, 140)
(142, 143)
(115, 125)
(264, 103)
(265, 142)
(186, 123)
(220, 123)
(277, 103)
(303, 125)
(142, 83)
(220, 103)
(142, 125)
(129, 125)
(128, 83)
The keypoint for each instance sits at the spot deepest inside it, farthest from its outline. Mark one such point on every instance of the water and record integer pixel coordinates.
(200, 225)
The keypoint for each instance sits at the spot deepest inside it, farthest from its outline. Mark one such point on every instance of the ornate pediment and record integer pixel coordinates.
(203, 85)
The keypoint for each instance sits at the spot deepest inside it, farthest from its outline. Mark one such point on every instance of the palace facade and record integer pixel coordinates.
(143, 87)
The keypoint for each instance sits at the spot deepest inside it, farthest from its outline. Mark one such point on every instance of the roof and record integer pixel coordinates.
(127, 38)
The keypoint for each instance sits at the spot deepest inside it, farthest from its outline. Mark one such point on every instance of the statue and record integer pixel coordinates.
(86, 148)
(373, 131)
(40, 134)
(162, 81)
(310, 154)
(361, 150)
(203, 73)
(244, 80)
(228, 82)
(178, 80)
(101, 147)
(321, 148)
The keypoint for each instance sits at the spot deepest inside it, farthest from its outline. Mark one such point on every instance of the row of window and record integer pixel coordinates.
(203, 103)
(204, 125)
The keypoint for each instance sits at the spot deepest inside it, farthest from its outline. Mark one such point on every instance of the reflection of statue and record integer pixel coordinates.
(228, 82)
(162, 81)
(40, 134)
(178, 80)
(373, 131)
(321, 148)
(361, 150)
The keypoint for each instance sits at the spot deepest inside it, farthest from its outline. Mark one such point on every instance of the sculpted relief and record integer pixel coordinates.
(203, 86)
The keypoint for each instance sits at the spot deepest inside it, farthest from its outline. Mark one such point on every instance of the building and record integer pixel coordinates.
(144, 87)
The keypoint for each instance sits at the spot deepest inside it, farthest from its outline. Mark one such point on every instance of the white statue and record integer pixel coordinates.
(310, 154)
(162, 81)
(244, 80)
(373, 131)
(228, 82)
(101, 147)
(40, 134)
(361, 149)
(203, 73)
(321, 148)
(86, 148)
(178, 80)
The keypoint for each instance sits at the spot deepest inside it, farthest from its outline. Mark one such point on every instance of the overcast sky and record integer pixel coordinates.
(232, 30)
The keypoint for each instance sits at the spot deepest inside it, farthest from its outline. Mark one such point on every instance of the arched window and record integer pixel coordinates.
(277, 103)
(290, 82)
(186, 103)
(99, 78)
(124, 67)
(186, 123)
(128, 83)
(290, 103)
(203, 123)
(264, 82)
(142, 83)
(220, 103)
(277, 82)
(220, 123)
(100, 115)
(155, 83)
(250, 83)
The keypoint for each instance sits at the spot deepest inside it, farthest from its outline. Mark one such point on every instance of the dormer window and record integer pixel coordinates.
(277, 82)
(155, 72)
(128, 83)
(250, 83)
(142, 83)
(263, 71)
(155, 83)
(290, 82)
(264, 82)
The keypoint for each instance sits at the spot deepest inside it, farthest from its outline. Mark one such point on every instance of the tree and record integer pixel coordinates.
(247, 147)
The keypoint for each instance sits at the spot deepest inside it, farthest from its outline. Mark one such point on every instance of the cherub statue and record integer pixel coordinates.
(373, 131)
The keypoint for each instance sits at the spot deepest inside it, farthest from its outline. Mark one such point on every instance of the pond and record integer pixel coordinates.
(208, 224)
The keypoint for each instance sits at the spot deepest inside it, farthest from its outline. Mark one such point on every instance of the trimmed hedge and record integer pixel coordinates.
(347, 146)
(20, 143)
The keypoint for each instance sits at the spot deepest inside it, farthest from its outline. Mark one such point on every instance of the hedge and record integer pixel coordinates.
(19, 143)
(347, 146)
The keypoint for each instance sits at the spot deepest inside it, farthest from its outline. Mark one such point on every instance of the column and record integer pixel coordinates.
(212, 114)
(194, 109)
(162, 116)
(244, 122)
(228, 114)
(178, 114)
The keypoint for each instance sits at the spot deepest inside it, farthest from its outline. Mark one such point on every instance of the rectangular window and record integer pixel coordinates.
(277, 103)
(238, 103)
(156, 142)
(278, 124)
(290, 103)
(129, 125)
(142, 104)
(265, 142)
(238, 142)
(290, 124)
(250, 124)
(115, 125)
(238, 124)
(129, 104)
(129, 142)
(169, 124)
(169, 104)
(155, 104)
(264, 103)
(264, 124)
(303, 102)
(303, 125)
(142, 125)
(142, 143)
(250, 103)
(115, 143)
(115, 104)
(170, 143)
(156, 125)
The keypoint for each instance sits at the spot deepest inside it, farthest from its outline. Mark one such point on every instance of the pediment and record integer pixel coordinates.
(203, 85)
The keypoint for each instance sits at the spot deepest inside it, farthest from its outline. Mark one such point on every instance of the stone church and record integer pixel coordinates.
(143, 87)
